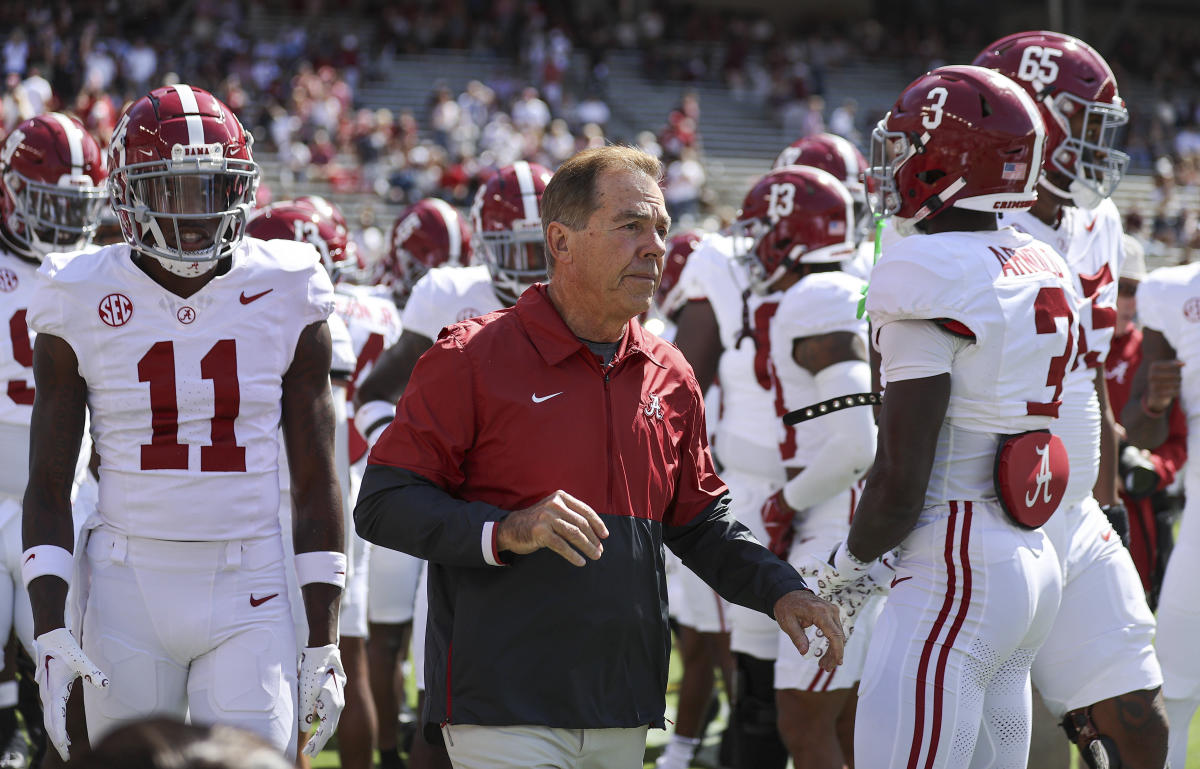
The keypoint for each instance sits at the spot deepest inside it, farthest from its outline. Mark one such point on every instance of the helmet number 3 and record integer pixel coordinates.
(1038, 65)
(933, 117)
(781, 202)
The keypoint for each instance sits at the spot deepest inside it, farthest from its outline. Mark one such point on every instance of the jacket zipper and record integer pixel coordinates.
(608, 441)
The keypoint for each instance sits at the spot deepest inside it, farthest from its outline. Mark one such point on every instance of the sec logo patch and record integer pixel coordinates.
(1191, 309)
(8, 280)
(115, 310)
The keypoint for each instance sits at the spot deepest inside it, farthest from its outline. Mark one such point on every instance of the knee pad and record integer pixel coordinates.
(1097, 750)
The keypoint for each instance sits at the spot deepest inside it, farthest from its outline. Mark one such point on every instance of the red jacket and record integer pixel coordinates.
(501, 411)
(1124, 358)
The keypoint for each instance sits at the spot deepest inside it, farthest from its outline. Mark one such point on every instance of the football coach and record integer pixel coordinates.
(540, 458)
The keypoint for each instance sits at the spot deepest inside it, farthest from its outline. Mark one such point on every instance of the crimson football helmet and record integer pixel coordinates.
(668, 299)
(182, 178)
(507, 219)
(794, 215)
(959, 136)
(1077, 94)
(830, 153)
(310, 219)
(427, 234)
(51, 186)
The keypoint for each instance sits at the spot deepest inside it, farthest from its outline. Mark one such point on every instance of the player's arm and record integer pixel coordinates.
(909, 422)
(55, 433)
(318, 528)
(1156, 385)
(698, 337)
(1105, 490)
(838, 363)
(375, 399)
(389, 376)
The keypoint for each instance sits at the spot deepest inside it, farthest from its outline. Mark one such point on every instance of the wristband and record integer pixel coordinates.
(1151, 412)
(321, 566)
(846, 562)
(41, 560)
(371, 417)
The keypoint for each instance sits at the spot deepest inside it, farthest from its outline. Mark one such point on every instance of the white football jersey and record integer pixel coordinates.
(1168, 301)
(747, 433)
(1015, 296)
(185, 394)
(1091, 244)
(821, 303)
(445, 295)
(374, 325)
(17, 280)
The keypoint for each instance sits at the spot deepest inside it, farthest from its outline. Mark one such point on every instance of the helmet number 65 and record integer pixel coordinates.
(1038, 65)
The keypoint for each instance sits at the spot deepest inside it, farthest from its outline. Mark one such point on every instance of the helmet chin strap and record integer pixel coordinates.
(1077, 192)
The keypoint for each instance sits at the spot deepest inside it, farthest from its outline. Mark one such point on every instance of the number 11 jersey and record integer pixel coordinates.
(185, 394)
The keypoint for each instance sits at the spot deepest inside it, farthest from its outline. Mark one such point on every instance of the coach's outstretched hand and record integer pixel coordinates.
(801, 609)
(60, 662)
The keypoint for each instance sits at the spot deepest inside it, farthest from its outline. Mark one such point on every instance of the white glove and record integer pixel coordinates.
(322, 694)
(59, 662)
(848, 583)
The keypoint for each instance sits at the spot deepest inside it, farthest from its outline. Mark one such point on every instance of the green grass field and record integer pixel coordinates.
(328, 759)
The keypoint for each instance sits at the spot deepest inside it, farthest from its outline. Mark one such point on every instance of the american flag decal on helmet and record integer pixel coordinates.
(1014, 171)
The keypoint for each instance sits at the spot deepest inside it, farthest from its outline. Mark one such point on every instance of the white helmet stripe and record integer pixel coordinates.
(528, 192)
(453, 230)
(74, 141)
(187, 100)
(1039, 143)
(846, 150)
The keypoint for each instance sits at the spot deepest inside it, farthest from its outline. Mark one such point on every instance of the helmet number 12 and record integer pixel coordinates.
(933, 118)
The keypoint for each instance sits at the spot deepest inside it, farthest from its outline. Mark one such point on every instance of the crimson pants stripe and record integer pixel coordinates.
(939, 676)
(939, 624)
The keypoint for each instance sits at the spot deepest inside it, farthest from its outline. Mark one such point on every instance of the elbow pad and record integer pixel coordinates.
(849, 446)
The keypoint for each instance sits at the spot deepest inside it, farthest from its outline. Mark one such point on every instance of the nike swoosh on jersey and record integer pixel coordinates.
(540, 398)
(248, 299)
(260, 601)
(898, 580)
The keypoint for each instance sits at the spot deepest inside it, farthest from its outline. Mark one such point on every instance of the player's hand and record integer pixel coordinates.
(322, 694)
(847, 583)
(560, 522)
(778, 516)
(801, 609)
(1163, 384)
(59, 662)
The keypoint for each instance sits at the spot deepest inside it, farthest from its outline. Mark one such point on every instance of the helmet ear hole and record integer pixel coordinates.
(984, 107)
(931, 176)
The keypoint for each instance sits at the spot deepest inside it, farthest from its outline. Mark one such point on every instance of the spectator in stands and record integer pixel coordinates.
(530, 113)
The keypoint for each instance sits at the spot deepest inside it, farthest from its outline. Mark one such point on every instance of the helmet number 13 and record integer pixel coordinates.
(782, 201)
(933, 118)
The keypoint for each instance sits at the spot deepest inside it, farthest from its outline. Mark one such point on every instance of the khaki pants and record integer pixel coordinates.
(543, 747)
